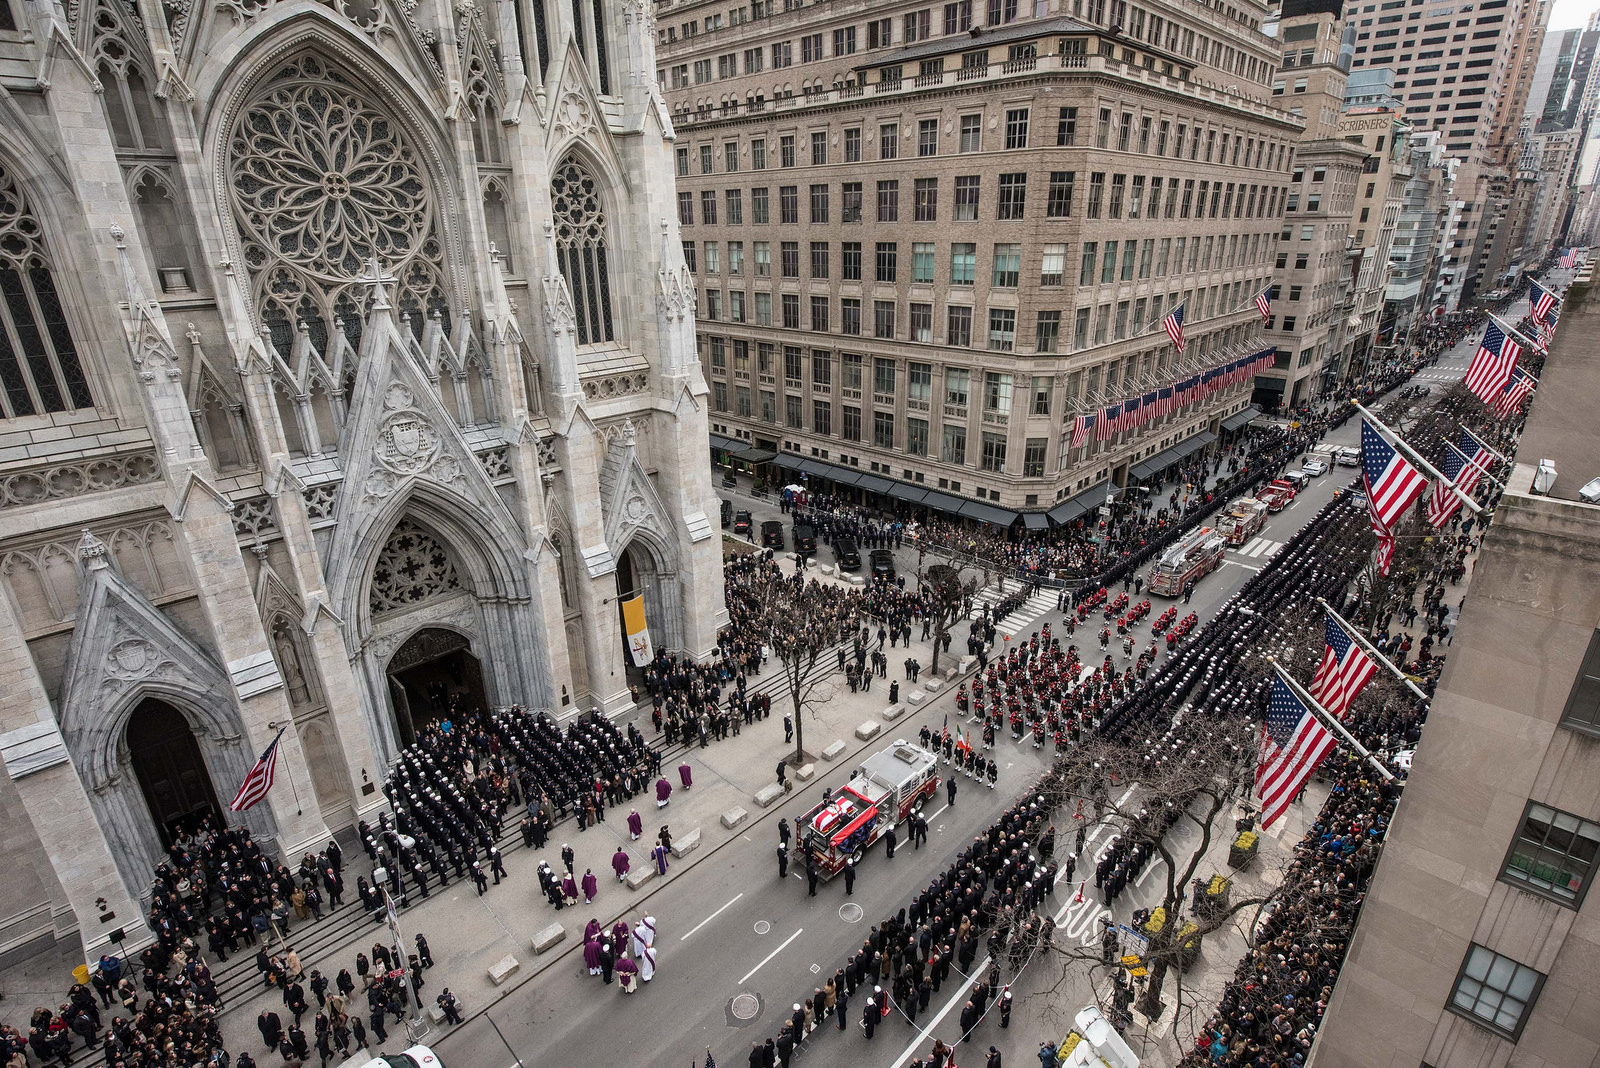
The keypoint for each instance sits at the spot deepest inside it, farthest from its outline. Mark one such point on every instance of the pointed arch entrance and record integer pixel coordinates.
(171, 770)
(433, 672)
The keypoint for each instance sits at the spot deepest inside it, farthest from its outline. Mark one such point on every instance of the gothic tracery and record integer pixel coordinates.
(322, 179)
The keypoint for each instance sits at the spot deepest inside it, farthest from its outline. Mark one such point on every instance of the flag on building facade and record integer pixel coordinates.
(1344, 670)
(1080, 429)
(259, 780)
(1293, 743)
(1462, 473)
(1392, 486)
(638, 633)
(1174, 327)
(1264, 305)
(1520, 385)
(1491, 364)
(1541, 302)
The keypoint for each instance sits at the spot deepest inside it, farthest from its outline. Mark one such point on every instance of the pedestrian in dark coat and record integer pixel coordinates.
(889, 841)
(950, 790)
(783, 863)
(271, 1028)
(849, 878)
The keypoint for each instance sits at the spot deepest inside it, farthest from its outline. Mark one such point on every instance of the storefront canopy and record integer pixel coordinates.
(1240, 419)
(1085, 502)
(988, 513)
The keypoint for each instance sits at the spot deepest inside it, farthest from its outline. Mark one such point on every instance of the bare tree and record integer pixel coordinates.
(805, 622)
(950, 598)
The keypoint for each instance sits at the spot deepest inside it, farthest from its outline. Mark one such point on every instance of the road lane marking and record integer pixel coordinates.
(769, 956)
(709, 918)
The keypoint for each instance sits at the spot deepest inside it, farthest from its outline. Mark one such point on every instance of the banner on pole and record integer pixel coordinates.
(638, 634)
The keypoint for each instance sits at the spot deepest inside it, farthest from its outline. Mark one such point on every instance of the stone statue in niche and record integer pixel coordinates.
(294, 679)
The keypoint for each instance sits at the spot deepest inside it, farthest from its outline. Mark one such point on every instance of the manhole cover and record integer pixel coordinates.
(745, 1007)
(850, 912)
(762, 927)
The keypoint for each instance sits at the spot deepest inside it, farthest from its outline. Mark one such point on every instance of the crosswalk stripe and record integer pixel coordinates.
(1244, 550)
(1267, 545)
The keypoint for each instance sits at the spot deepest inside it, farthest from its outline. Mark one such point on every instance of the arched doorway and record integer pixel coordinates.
(634, 577)
(431, 673)
(171, 771)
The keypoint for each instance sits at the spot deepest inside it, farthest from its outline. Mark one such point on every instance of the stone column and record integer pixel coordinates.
(35, 756)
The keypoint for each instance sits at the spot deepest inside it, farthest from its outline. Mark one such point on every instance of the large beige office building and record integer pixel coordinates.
(927, 235)
(1477, 944)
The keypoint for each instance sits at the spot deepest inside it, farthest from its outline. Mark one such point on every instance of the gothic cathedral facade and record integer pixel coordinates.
(347, 364)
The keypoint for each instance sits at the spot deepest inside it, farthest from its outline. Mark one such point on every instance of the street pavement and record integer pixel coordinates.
(738, 947)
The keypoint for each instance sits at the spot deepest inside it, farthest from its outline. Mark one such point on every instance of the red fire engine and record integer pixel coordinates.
(1197, 554)
(887, 788)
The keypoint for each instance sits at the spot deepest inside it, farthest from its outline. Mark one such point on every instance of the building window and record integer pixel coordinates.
(922, 322)
(819, 203)
(850, 316)
(758, 151)
(789, 204)
(1017, 128)
(1067, 127)
(852, 423)
(685, 209)
(928, 137)
(963, 263)
(1047, 333)
(1583, 704)
(883, 429)
(1013, 196)
(889, 140)
(887, 260)
(852, 145)
(790, 252)
(927, 200)
(1097, 186)
(818, 259)
(819, 314)
(958, 326)
(1002, 329)
(919, 378)
(1086, 271)
(1059, 206)
(883, 319)
(922, 262)
(581, 246)
(821, 417)
(735, 202)
(994, 451)
(1552, 855)
(1007, 266)
(763, 257)
(791, 311)
(917, 436)
(971, 133)
(889, 201)
(997, 392)
(955, 445)
(760, 205)
(850, 261)
(966, 197)
(957, 383)
(850, 202)
(1495, 992)
(1033, 454)
(1053, 265)
(819, 148)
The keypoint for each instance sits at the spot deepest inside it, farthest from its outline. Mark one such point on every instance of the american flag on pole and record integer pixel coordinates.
(1392, 485)
(1568, 258)
(1164, 400)
(1264, 305)
(1520, 385)
(1344, 669)
(1540, 301)
(1492, 364)
(1080, 429)
(1464, 474)
(259, 781)
(1105, 426)
(1293, 743)
(1174, 327)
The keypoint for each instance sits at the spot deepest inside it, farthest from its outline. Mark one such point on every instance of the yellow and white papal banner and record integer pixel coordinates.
(638, 633)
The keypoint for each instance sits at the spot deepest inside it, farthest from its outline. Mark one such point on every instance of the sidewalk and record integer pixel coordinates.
(469, 933)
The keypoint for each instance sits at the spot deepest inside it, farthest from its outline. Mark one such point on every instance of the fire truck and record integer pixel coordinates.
(1278, 493)
(1246, 516)
(1197, 554)
(884, 791)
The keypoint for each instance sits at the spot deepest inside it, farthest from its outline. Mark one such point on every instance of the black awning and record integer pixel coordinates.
(875, 483)
(988, 513)
(1035, 521)
(943, 502)
(790, 462)
(902, 491)
(1156, 464)
(1190, 446)
(1240, 419)
(1085, 502)
(726, 444)
(755, 456)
